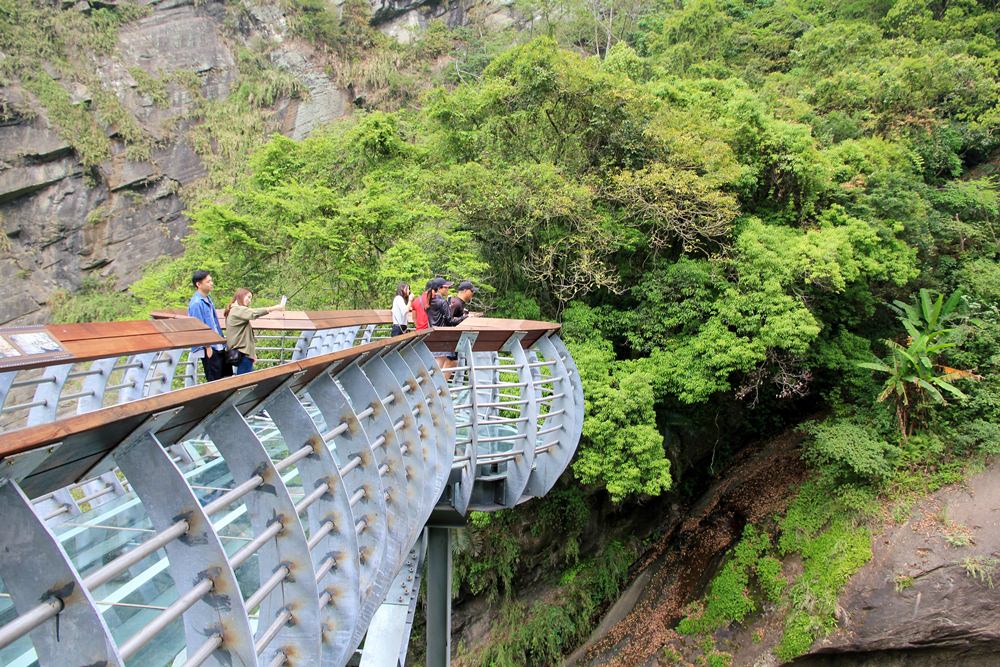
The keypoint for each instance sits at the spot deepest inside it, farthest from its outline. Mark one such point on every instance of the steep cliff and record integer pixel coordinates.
(112, 120)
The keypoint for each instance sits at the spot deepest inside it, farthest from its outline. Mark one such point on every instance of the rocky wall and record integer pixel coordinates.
(64, 224)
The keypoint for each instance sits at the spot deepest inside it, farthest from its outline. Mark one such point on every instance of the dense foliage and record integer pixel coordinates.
(720, 205)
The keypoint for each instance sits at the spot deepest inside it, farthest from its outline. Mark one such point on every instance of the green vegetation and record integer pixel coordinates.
(541, 633)
(94, 301)
(731, 595)
(232, 127)
(822, 530)
(742, 212)
(981, 568)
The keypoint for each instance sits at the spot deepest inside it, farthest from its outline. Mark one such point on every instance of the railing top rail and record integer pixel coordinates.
(299, 320)
(85, 439)
(313, 320)
(40, 346)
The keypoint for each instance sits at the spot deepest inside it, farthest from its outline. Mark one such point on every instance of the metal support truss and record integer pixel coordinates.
(270, 519)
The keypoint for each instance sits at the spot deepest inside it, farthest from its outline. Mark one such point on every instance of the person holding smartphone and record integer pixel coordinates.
(240, 338)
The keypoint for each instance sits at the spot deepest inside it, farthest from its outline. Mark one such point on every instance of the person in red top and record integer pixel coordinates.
(421, 303)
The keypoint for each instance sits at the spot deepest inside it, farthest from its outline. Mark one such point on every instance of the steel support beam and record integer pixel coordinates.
(438, 596)
(69, 630)
(198, 556)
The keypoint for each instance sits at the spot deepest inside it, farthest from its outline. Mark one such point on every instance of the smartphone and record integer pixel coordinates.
(284, 299)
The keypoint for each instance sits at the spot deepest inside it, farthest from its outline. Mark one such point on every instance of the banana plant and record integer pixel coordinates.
(914, 376)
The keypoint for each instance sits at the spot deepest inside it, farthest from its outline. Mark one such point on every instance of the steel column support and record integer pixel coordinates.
(389, 630)
(35, 569)
(438, 596)
(343, 583)
(196, 556)
(289, 549)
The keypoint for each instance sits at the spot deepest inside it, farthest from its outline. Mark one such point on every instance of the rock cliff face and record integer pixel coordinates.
(64, 223)
(929, 595)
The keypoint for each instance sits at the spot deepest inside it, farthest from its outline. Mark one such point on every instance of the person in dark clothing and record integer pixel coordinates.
(462, 298)
(439, 312)
(439, 315)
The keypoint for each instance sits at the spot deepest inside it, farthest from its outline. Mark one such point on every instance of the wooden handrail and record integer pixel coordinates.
(491, 330)
(98, 340)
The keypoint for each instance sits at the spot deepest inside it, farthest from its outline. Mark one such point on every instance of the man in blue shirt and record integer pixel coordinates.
(213, 357)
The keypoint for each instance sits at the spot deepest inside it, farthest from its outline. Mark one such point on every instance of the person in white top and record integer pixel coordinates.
(401, 307)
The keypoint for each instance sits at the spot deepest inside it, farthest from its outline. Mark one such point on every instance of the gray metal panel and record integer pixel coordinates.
(270, 502)
(35, 568)
(167, 498)
(343, 582)
(95, 384)
(398, 515)
(436, 440)
(550, 464)
(519, 469)
(166, 370)
(303, 344)
(372, 541)
(411, 464)
(6, 379)
(442, 406)
(48, 394)
(425, 446)
(136, 376)
(463, 491)
(574, 380)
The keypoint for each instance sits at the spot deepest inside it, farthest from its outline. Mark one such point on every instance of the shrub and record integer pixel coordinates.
(850, 450)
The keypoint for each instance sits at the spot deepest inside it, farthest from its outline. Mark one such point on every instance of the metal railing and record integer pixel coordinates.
(271, 531)
(41, 395)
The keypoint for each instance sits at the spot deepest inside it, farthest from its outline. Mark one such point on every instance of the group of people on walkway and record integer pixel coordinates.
(434, 307)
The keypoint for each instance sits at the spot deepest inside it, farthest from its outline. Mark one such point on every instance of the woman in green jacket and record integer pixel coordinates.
(240, 339)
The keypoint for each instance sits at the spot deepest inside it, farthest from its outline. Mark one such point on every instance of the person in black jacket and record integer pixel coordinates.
(439, 315)
(462, 298)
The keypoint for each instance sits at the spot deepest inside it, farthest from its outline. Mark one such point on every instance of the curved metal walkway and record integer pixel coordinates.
(274, 518)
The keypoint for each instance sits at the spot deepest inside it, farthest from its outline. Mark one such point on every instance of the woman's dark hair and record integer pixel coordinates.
(403, 290)
(198, 276)
(237, 298)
